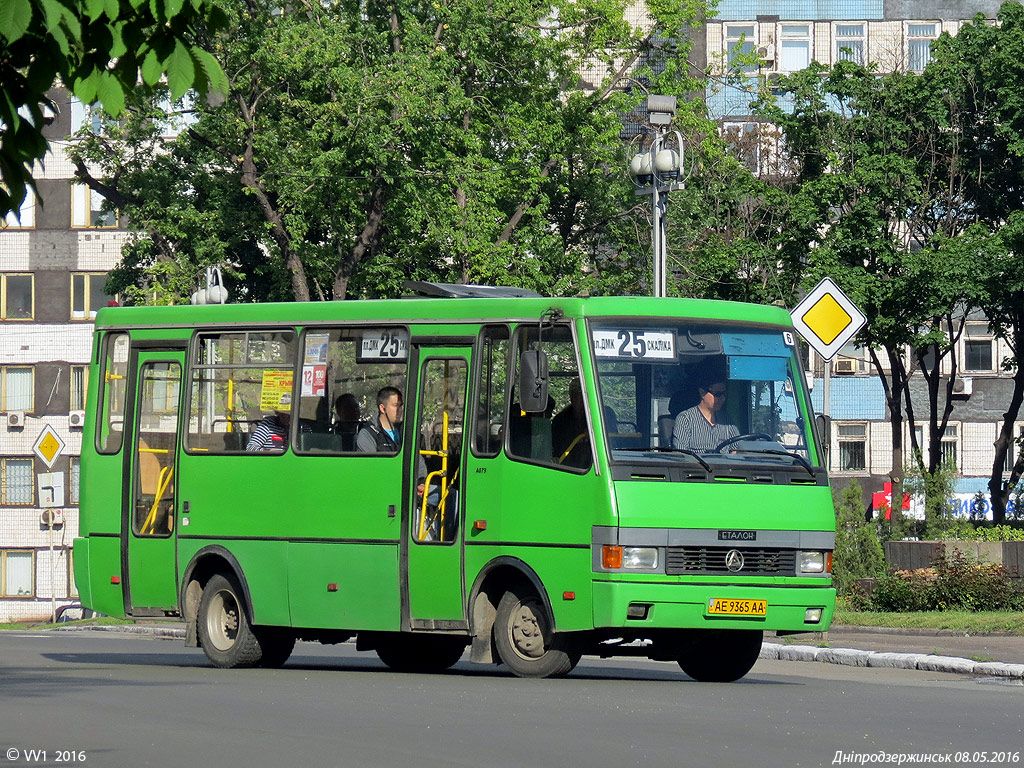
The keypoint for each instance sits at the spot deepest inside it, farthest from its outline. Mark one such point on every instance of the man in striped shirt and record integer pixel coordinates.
(271, 434)
(699, 428)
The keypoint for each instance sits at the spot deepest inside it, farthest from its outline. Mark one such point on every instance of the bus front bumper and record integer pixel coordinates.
(691, 606)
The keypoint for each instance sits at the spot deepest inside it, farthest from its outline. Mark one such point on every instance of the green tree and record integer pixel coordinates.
(99, 49)
(361, 146)
(880, 163)
(981, 69)
(858, 553)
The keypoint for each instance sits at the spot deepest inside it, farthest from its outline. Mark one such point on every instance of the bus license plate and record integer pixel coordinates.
(723, 606)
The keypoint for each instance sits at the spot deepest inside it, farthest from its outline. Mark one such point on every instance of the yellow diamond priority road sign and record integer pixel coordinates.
(48, 446)
(827, 319)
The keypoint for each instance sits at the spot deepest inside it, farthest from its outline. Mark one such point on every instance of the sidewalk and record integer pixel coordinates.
(941, 651)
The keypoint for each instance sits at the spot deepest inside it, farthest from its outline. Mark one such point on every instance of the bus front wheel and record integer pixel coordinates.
(720, 656)
(224, 631)
(524, 640)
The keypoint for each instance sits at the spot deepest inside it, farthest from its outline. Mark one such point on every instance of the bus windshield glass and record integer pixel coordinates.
(720, 397)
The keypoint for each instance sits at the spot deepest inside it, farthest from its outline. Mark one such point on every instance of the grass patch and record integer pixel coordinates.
(33, 625)
(980, 623)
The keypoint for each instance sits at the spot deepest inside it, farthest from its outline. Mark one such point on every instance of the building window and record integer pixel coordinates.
(17, 297)
(739, 41)
(76, 479)
(978, 347)
(17, 573)
(794, 47)
(853, 444)
(86, 116)
(16, 482)
(950, 440)
(919, 44)
(79, 386)
(88, 294)
(850, 43)
(17, 385)
(25, 218)
(88, 209)
(1013, 449)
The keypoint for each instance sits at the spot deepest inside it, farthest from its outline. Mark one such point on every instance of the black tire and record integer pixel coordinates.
(225, 634)
(524, 639)
(276, 644)
(420, 653)
(720, 656)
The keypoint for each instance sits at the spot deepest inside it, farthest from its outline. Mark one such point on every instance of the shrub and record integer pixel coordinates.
(954, 583)
(858, 553)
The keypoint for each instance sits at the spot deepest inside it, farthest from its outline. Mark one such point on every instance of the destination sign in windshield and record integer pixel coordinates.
(625, 344)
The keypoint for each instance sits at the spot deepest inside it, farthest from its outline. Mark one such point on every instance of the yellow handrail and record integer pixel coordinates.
(443, 473)
(163, 481)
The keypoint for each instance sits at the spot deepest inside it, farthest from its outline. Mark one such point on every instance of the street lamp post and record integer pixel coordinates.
(656, 173)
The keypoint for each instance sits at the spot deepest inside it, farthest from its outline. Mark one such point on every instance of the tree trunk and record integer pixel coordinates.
(999, 491)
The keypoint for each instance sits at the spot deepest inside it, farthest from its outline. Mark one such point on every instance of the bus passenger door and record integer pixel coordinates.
(434, 550)
(152, 515)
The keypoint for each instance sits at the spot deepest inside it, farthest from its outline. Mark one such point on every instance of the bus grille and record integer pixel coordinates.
(711, 560)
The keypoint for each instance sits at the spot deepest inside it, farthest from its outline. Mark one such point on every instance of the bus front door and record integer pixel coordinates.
(151, 517)
(434, 550)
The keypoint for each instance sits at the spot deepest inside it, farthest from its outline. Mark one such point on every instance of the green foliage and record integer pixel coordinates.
(858, 553)
(98, 49)
(965, 530)
(954, 583)
(361, 146)
(937, 488)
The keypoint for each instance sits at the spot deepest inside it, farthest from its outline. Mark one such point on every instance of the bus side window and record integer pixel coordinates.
(492, 379)
(113, 389)
(238, 379)
(342, 371)
(531, 436)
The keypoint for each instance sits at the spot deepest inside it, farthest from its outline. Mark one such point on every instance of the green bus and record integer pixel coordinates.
(544, 496)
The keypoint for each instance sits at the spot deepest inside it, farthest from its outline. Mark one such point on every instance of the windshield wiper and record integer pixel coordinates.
(684, 451)
(774, 452)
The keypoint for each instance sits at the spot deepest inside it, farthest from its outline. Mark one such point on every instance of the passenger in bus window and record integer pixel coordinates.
(383, 434)
(271, 434)
(569, 435)
(348, 420)
(699, 428)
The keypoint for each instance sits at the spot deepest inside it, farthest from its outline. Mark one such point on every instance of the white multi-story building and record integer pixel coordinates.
(54, 264)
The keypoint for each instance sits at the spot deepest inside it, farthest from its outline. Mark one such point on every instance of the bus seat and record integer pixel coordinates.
(320, 442)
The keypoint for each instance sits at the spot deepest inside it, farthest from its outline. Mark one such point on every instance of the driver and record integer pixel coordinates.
(699, 428)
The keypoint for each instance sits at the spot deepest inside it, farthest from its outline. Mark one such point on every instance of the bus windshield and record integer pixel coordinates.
(724, 397)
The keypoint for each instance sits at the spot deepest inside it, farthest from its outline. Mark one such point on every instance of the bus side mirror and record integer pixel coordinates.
(533, 381)
(824, 425)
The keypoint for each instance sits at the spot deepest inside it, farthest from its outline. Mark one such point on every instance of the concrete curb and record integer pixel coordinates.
(924, 661)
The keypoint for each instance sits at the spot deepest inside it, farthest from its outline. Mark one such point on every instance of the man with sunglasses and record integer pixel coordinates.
(699, 428)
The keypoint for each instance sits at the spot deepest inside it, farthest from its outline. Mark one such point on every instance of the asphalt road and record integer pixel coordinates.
(111, 700)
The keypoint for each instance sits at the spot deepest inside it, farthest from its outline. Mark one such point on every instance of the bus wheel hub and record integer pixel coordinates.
(527, 633)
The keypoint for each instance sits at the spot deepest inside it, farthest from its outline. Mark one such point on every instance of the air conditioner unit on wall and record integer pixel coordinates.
(52, 517)
(844, 366)
(766, 52)
(76, 419)
(15, 419)
(963, 386)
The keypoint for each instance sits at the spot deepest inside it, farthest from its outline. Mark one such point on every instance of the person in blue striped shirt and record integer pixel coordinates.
(699, 428)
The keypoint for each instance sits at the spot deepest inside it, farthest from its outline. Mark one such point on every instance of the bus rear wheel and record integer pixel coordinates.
(224, 630)
(524, 639)
(420, 653)
(720, 656)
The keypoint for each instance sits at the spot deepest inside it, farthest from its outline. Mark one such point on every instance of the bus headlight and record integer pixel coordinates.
(640, 557)
(812, 562)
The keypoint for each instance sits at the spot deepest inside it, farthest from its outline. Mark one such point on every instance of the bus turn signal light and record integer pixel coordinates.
(115, 579)
(611, 556)
(828, 563)
(479, 525)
